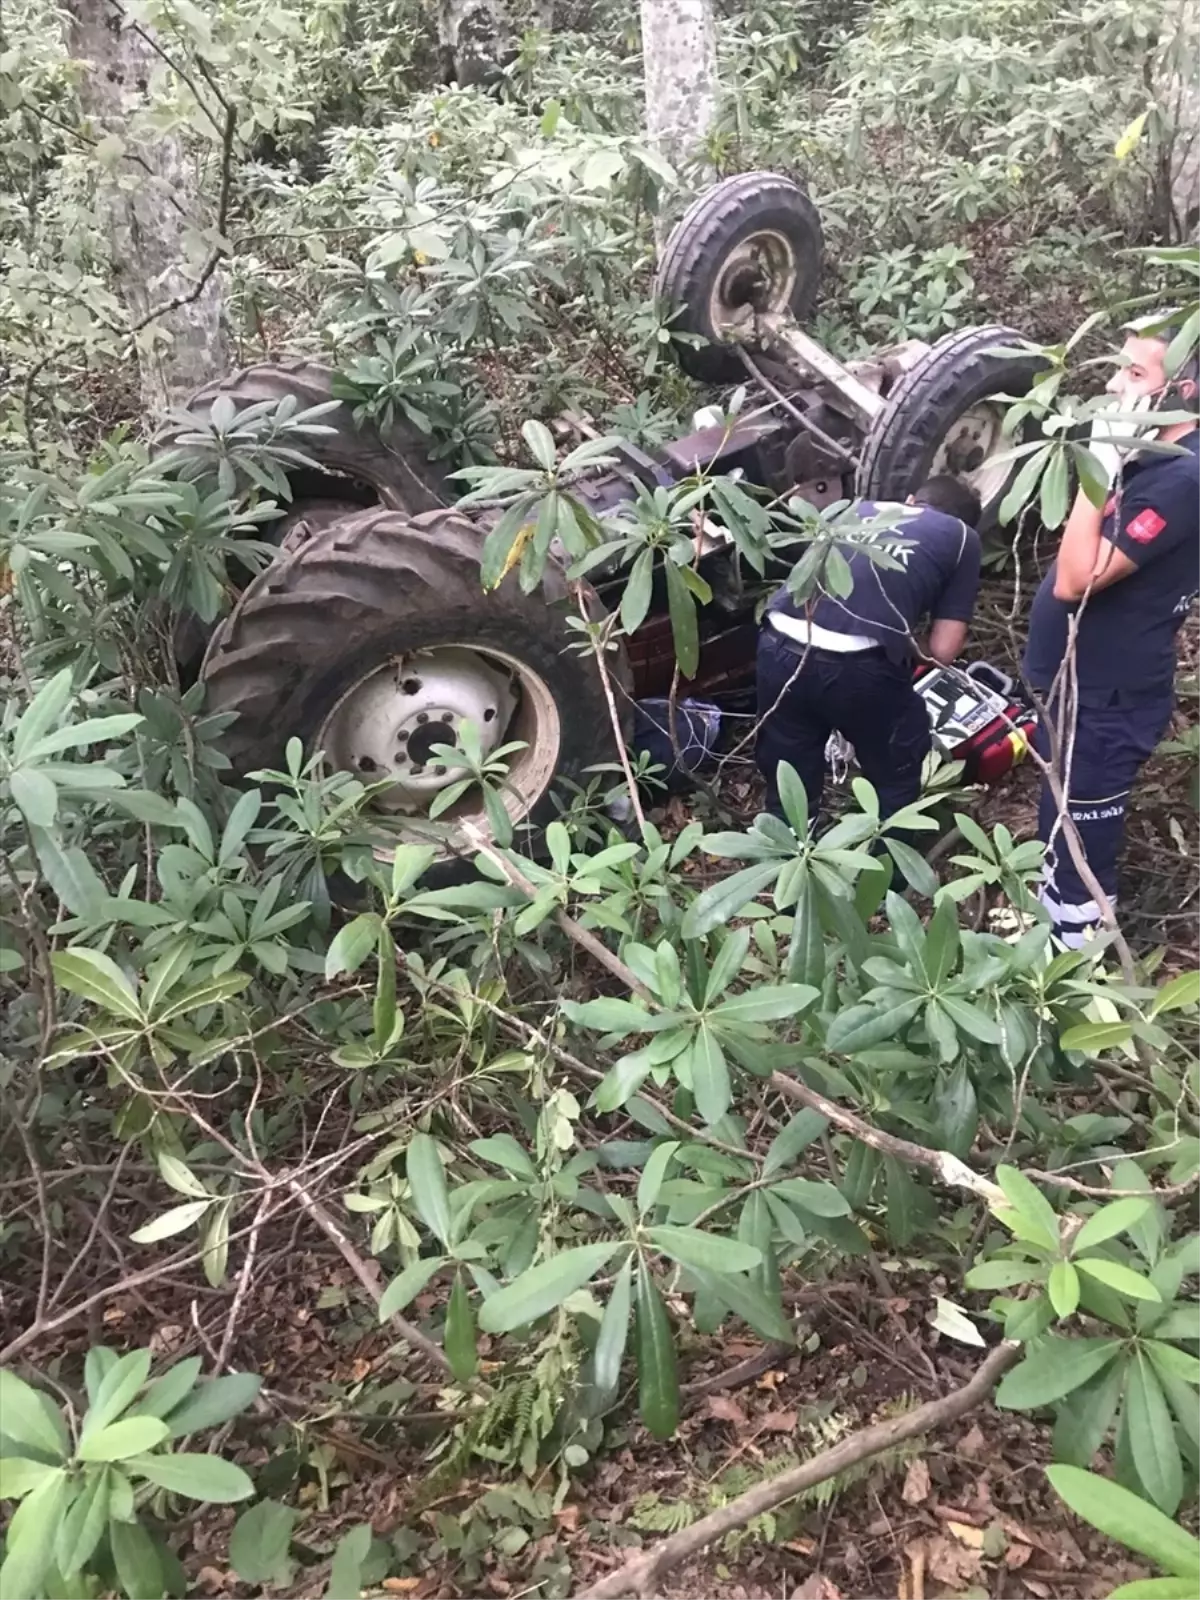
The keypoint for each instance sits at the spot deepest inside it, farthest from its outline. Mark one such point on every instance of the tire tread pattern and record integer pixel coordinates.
(350, 588)
(702, 237)
(394, 461)
(957, 373)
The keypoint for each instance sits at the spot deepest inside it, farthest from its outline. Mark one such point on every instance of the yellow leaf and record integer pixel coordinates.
(516, 551)
(965, 1534)
(1128, 141)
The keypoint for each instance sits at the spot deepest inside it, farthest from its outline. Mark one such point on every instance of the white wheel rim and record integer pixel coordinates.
(388, 722)
(757, 278)
(971, 448)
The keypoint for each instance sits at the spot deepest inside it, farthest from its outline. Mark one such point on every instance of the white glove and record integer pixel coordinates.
(707, 417)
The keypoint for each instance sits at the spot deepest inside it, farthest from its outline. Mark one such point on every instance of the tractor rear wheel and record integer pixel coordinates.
(352, 460)
(353, 466)
(371, 641)
(946, 415)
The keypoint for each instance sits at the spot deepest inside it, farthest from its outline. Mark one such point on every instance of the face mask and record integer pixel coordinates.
(1115, 431)
(1168, 397)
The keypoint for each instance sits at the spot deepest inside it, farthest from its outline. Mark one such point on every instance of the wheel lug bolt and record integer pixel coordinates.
(422, 716)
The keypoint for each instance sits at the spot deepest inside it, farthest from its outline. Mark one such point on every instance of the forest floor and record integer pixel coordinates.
(965, 1512)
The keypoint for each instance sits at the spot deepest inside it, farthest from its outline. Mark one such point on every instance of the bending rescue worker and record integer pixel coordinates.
(847, 665)
(1128, 573)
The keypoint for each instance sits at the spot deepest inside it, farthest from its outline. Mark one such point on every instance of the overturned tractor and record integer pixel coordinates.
(370, 638)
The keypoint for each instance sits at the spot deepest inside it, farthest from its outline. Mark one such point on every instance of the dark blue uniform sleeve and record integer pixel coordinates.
(956, 603)
(1154, 514)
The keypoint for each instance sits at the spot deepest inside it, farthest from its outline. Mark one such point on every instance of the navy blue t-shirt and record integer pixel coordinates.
(1126, 636)
(938, 577)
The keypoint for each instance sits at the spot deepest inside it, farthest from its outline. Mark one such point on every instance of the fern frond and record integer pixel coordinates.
(652, 1514)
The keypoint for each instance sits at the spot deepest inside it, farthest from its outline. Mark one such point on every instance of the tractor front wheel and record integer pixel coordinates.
(946, 415)
(747, 248)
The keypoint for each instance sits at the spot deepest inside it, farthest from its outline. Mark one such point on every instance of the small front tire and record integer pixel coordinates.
(751, 246)
(945, 415)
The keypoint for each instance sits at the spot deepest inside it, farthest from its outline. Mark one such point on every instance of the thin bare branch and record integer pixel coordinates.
(243, 1285)
(642, 1572)
(368, 1275)
(597, 645)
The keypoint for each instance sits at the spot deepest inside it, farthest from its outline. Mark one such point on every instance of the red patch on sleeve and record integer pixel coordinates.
(1145, 526)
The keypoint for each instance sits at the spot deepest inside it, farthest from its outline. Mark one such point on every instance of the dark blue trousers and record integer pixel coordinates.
(1111, 743)
(868, 699)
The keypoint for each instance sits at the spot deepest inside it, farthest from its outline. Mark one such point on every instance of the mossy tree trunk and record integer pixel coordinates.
(160, 221)
(679, 52)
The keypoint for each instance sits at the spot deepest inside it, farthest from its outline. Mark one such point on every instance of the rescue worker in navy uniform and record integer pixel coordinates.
(1137, 560)
(848, 664)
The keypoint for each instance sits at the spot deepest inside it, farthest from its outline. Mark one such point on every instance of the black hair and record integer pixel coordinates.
(1189, 370)
(951, 495)
(1189, 367)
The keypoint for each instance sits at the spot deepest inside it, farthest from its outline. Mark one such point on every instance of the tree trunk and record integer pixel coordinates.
(475, 37)
(151, 195)
(679, 55)
(1181, 100)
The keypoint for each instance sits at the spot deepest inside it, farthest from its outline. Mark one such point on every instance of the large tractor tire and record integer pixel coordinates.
(945, 415)
(360, 463)
(355, 466)
(370, 639)
(750, 246)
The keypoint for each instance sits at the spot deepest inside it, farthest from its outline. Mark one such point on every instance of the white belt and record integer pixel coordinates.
(809, 633)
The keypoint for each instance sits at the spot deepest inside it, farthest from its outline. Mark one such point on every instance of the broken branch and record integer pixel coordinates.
(641, 1574)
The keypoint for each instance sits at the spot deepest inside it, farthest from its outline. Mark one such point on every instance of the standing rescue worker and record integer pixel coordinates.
(848, 664)
(1127, 572)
